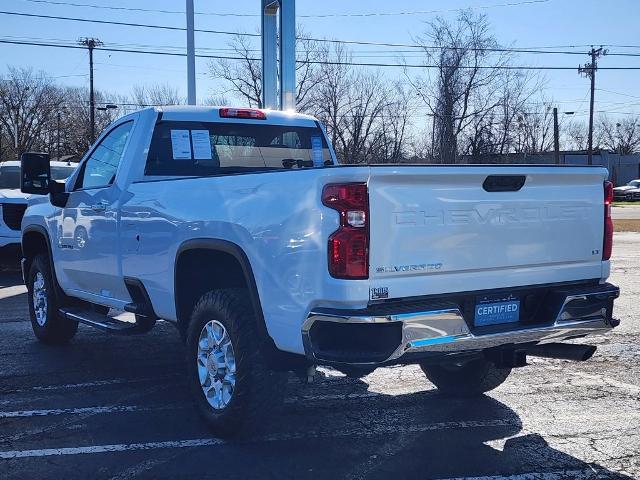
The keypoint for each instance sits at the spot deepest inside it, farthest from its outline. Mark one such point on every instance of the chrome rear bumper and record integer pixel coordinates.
(445, 330)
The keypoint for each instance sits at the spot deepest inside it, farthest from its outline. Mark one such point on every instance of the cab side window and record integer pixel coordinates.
(100, 168)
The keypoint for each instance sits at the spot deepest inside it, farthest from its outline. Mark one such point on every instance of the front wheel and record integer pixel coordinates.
(48, 325)
(466, 379)
(232, 387)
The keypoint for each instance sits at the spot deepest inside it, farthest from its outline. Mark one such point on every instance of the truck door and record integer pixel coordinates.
(88, 232)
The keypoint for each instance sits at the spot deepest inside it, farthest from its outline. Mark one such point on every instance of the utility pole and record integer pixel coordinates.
(91, 43)
(191, 56)
(589, 70)
(556, 137)
(58, 139)
(15, 136)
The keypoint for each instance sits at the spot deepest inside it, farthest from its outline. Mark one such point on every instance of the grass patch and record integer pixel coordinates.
(626, 225)
(625, 204)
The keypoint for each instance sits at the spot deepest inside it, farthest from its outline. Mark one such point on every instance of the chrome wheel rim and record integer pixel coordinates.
(216, 365)
(40, 299)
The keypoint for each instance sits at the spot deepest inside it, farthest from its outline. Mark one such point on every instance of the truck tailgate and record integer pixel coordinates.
(438, 229)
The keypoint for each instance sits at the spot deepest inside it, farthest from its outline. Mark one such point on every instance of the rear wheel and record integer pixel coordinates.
(48, 325)
(231, 385)
(466, 379)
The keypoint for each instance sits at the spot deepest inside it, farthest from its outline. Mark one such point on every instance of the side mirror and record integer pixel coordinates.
(35, 173)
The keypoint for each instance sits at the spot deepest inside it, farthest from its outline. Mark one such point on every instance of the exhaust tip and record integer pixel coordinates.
(563, 351)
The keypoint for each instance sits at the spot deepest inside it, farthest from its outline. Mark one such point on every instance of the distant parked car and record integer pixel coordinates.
(13, 202)
(627, 193)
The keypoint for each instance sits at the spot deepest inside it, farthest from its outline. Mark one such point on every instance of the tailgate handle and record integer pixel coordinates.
(504, 183)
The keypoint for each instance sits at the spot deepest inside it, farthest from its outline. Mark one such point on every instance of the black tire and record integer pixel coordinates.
(52, 328)
(469, 379)
(258, 390)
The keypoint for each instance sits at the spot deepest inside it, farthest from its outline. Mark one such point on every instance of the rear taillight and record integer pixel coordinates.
(607, 244)
(349, 245)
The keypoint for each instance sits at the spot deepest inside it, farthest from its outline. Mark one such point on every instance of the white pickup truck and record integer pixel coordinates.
(240, 227)
(13, 202)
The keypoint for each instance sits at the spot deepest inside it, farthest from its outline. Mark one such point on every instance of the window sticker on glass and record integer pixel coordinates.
(316, 148)
(181, 144)
(201, 144)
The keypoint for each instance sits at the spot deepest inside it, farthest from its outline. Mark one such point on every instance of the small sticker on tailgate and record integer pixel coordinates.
(378, 293)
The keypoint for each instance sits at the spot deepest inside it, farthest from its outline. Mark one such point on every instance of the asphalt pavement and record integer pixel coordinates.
(107, 407)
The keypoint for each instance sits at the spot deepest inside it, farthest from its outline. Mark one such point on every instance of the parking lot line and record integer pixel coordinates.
(89, 410)
(100, 383)
(201, 442)
(123, 447)
(584, 474)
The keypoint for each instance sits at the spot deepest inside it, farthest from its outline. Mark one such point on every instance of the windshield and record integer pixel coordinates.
(10, 177)
(634, 183)
(207, 148)
(61, 173)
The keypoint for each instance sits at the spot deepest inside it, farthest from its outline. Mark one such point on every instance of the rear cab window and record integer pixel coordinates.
(181, 148)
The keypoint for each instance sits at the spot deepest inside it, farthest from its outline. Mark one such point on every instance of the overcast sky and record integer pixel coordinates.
(518, 23)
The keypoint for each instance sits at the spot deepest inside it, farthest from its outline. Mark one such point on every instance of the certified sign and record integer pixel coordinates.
(493, 313)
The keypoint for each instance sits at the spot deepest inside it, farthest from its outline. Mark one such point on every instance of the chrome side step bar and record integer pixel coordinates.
(102, 322)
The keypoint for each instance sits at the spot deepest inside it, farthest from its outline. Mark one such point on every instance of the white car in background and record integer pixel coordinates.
(13, 202)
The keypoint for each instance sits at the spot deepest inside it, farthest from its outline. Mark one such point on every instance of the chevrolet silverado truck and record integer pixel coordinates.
(240, 227)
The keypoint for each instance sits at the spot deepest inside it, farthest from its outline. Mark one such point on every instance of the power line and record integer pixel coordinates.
(124, 24)
(313, 62)
(421, 12)
(250, 15)
(617, 93)
(537, 50)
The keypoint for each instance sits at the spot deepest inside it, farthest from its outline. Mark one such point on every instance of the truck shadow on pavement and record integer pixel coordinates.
(427, 435)
(335, 428)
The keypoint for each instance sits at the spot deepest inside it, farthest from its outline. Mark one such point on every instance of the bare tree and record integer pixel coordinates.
(156, 95)
(75, 117)
(243, 77)
(395, 124)
(28, 105)
(622, 135)
(309, 57)
(575, 135)
(330, 97)
(351, 103)
(517, 90)
(462, 86)
(534, 132)
(359, 134)
(481, 138)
